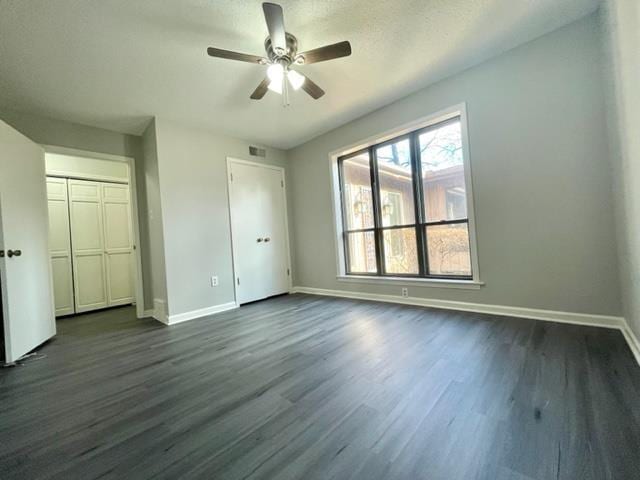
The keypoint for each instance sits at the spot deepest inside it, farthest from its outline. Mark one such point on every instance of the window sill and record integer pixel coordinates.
(423, 282)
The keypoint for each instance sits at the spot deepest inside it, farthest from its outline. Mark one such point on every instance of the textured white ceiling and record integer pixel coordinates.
(115, 63)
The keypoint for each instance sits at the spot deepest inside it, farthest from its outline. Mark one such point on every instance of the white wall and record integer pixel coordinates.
(622, 23)
(541, 179)
(195, 213)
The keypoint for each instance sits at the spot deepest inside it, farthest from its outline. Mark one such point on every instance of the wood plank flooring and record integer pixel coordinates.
(306, 387)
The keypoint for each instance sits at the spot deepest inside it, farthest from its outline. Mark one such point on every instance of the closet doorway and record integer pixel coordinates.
(93, 231)
(259, 231)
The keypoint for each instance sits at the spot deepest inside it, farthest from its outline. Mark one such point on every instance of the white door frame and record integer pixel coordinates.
(230, 161)
(133, 201)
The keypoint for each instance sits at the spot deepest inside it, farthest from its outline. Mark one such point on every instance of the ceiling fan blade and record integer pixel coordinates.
(243, 57)
(329, 52)
(312, 88)
(275, 23)
(261, 89)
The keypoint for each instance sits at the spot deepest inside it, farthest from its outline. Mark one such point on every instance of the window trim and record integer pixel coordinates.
(417, 126)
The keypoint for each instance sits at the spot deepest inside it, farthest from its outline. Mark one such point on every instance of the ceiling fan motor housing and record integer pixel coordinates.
(289, 56)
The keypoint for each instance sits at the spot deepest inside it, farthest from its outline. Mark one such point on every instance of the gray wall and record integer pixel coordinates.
(158, 282)
(541, 178)
(48, 131)
(195, 213)
(622, 23)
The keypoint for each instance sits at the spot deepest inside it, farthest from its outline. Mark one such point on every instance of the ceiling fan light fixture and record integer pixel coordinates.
(275, 86)
(281, 49)
(275, 72)
(295, 79)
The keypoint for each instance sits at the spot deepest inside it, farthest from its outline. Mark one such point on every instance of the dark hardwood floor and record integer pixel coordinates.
(304, 387)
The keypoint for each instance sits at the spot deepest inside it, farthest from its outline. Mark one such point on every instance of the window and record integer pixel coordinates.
(404, 206)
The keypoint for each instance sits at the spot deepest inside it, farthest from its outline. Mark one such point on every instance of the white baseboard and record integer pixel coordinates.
(521, 312)
(633, 342)
(147, 313)
(202, 312)
(605, 321)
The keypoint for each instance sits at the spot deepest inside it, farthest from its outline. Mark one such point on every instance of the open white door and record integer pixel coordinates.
(25, 269)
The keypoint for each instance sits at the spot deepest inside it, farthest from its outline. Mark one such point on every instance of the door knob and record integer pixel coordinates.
(14, 253)
(267, 239)
(259, 240)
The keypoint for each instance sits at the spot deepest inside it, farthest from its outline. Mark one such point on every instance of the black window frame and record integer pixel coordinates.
(420, 224)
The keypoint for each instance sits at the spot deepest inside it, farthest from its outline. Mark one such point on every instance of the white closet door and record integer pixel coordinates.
(60, 245)
(275, 233)
(256, 196)
(118, 245)
(88, 245)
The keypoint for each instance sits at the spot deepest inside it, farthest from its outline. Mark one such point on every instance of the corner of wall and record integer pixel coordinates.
(289, 166)
(620, 23)
(154, 214)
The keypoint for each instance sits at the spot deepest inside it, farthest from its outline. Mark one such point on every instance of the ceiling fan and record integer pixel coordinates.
(281, 54)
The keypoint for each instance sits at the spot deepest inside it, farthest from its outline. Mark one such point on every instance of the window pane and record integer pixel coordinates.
(358, 202)
(448, 248)
(443, 173)
(396, 187)
(401, 251)
(362, 252)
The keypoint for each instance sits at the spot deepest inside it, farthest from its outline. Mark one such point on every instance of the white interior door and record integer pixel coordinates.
(118, 244)
(275, 250)
(25, 279)
(60, 245)
(258, 225)
(88, 245)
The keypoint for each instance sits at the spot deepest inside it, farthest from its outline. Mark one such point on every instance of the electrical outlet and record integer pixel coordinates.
(405, 292)
(214, 281)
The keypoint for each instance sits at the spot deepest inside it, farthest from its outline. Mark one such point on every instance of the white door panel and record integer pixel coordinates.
(113, 192)
(60, 245)
(62, 285)
(88, 245)
(90, 284)
(116, 226)
(275, 232)
(59, 226)
(118, 245)
(84, 190)
(258, 223)
(247, 228)
(119, 280)
(27, 292)
(86, 226)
